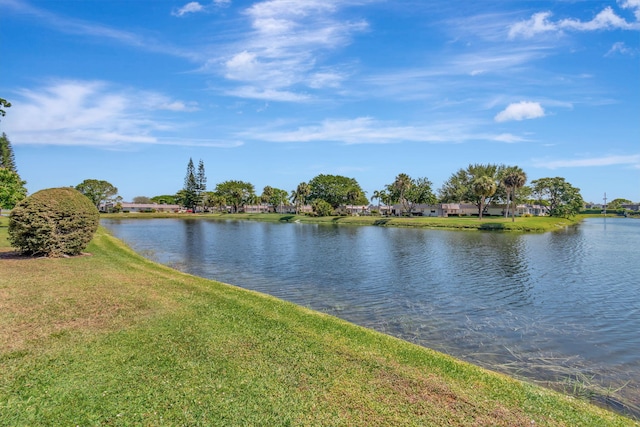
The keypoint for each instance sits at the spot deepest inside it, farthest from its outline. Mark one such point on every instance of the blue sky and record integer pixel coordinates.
(277, 92)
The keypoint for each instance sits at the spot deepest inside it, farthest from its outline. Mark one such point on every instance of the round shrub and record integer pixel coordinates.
(54, 222)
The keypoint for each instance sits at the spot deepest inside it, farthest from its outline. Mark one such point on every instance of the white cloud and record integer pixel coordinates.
(92, 113)
(520, 111)
(632, 160)
(252, 92)
(367, 130)
(508, 138)
(191, 7)
(621, 48)
(285, 46)
(634, 5)
(538, 23)
(607, 19)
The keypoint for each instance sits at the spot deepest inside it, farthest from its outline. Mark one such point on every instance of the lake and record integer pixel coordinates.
(561, 309)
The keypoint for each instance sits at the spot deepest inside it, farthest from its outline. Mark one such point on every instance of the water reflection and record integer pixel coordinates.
(553, 307)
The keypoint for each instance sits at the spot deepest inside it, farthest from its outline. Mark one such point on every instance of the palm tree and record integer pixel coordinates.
(400, 186)
(483, 187)
(299, 195)
(513, 179)
(376, 195)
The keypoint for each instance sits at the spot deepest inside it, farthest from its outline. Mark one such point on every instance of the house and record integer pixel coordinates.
(258, 209)
(632, 206)
(139, 207)
(354, 210)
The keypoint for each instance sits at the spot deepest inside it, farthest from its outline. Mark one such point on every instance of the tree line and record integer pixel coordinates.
(478, 184)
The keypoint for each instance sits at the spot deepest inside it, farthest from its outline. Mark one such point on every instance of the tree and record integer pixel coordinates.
(299, 195)
(12, 188)
(4, 104)
(322, 208)
(214, 200)
(165, 199)
(7, 158)
(143, 200)
(189, 195)
(274, 196)
(617, 203)
(409, 192)
(97, 191)
(561, 198)
(201, 181)
(483, 186)
(513, 178)
(236, 193)
(336, 190)
(377, 195)
(459, 187)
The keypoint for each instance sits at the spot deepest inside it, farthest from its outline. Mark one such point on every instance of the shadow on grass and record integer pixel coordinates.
(492, 226)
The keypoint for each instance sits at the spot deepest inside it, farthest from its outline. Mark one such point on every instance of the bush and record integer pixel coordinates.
(54, 222)
(322, 208)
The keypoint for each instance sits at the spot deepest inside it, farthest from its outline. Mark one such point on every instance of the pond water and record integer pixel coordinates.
(561, 308)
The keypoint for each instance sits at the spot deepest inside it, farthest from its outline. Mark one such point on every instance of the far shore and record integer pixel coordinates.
(488, 223)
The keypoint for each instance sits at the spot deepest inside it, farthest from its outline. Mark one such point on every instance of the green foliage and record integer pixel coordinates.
(4, 104)
(236, 193)
(7, 157)
(53, 222)
(12, 188)
(300, 194)
(513, 179)
(322, 208)
(274, 196)
(189, 195)
(98, 191)
(408, 192)
(459, 187)
(165, 199)
(142, 200)
(336, 190)
(483, 186)
(617, 203)
(563, 199)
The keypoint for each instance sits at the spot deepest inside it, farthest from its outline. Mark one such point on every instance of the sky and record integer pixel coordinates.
(276, 92)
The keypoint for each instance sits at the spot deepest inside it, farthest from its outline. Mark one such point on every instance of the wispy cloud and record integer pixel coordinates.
(97, 30)
(197, 7)
(191, 7)
(282, 52)
(367, 130)
(95, 113)
(607, 19)
(632, 160)
(622, 49)
(520, 111)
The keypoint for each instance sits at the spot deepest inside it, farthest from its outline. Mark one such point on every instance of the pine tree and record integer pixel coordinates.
(7, 158)
(201, 182)
(189, 193)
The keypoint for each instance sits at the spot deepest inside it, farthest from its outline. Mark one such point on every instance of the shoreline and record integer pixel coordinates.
(500, 224)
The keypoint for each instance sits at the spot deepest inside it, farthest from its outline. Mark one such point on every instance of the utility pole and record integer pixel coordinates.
(605, 204)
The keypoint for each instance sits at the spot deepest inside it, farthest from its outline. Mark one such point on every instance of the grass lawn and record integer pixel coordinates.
(113, 339)
(525, 224)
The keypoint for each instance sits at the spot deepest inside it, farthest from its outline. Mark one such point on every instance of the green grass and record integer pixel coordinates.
(114, 339)
(524, 224)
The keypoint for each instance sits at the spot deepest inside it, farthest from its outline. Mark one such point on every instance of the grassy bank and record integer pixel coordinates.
(113, 339)
(525, 224)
